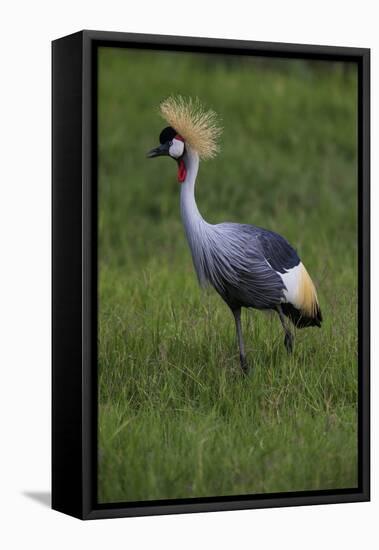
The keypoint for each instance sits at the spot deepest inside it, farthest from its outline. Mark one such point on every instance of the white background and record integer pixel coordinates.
(26, 31)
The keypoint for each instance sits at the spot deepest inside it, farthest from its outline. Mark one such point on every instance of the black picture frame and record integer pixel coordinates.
(74, 273)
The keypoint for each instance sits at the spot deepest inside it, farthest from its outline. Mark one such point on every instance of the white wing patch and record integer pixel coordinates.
(292, 280)
(301, 292)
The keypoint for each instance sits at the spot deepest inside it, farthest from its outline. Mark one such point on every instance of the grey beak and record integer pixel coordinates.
(159, 151)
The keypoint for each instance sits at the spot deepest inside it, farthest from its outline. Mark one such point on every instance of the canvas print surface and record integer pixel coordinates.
(238, 173)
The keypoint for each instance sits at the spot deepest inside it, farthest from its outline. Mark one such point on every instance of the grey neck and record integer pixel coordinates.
(195, 226)
(190, 213)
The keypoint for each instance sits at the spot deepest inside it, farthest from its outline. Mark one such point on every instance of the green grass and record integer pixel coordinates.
(176, 418)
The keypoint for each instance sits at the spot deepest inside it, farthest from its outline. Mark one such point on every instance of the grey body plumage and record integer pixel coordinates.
(247, 265)
(231, 256)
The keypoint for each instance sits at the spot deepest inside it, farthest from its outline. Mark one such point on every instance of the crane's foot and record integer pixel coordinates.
(244, 364)
(288, 342)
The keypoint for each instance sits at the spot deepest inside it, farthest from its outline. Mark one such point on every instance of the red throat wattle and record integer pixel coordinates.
(182, 172)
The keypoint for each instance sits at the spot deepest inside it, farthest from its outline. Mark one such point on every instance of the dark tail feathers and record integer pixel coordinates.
(299, 320)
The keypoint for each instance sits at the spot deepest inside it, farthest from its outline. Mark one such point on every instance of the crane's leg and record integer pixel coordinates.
(241, 345)
(288, 336)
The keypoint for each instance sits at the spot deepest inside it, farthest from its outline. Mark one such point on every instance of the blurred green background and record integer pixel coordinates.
(176, 419)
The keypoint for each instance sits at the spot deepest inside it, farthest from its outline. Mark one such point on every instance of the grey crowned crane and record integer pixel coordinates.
(247, 265)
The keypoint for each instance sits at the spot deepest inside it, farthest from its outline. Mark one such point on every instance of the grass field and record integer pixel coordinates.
(176, 418)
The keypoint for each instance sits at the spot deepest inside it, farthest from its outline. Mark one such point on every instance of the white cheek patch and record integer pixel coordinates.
(176, 149)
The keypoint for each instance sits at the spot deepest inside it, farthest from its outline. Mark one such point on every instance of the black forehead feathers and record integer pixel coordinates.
(167, 134)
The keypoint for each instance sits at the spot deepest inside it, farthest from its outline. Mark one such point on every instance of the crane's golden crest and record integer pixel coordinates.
(199, 127)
